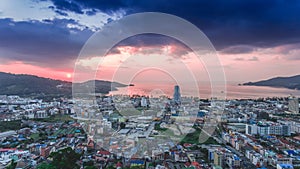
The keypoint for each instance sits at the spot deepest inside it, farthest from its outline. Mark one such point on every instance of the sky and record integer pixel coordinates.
(254, 39)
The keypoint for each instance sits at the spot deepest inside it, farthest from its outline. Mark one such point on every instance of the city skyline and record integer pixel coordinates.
(106, 84)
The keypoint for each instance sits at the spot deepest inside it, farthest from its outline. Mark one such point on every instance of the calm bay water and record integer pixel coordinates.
(232, 91)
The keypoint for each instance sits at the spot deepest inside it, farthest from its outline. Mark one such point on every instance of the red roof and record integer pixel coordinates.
(119, 164)
(103, 152)
(195, 164)
(7, 149)
(187, 145)
(187, 164)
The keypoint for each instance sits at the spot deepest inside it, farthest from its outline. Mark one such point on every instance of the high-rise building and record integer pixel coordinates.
(293, 105)
(251, 129)
(144, 102)
(263, 130)
(218, 158)
(177, 96)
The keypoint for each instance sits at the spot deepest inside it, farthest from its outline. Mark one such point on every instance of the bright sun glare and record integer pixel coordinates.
(69, 75)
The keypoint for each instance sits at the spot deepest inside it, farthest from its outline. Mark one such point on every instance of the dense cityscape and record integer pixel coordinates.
(139, 84)
(261, 133)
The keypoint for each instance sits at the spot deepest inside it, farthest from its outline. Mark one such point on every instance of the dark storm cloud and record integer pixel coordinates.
(239, 59)
(148, 40)
(61, 13)
(91, 12)
(68, 6)
(46, 43)
(290, 52)
(156, 42)
(227, 23)
(233, 26)
(293, 57)
(254, 58)
(238, 49)
(104, 5)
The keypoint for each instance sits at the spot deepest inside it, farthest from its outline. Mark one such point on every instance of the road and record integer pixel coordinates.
(245, 163)
(217, 139)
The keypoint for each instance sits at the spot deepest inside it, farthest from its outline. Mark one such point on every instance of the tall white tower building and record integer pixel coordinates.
(293, 104)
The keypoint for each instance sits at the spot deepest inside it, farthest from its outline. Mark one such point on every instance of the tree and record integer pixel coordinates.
(89, 165)
(12, 165)
(122, 125)
(45, 166)
(65, 159)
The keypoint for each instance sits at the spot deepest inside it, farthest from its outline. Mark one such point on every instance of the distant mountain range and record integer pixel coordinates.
(29, 85)
(292, 82)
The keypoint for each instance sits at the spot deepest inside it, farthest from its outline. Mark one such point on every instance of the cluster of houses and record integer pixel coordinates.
(254, 133)
(33, 144)
(17, 108)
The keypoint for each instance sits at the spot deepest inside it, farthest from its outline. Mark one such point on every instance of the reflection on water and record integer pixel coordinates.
(204, 91)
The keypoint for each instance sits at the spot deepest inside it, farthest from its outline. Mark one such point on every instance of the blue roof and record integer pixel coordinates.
(136, 162)
(235, 157)
(171, 144)
(291, 152)
(41, 145)
(286, 165)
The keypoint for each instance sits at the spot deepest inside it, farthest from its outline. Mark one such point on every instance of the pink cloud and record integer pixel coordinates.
(257, 64)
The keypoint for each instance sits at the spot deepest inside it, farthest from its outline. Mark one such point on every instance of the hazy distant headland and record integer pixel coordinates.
(30, 85)
(292, 82)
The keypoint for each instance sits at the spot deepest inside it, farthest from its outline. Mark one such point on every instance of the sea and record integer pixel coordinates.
(228, 91)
